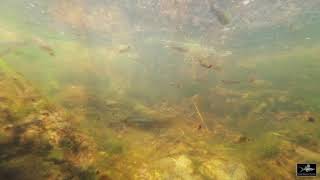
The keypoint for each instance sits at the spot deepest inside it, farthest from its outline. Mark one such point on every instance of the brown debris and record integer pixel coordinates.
(200, 116)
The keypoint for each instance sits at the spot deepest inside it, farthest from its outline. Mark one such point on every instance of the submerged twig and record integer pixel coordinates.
(200, 115)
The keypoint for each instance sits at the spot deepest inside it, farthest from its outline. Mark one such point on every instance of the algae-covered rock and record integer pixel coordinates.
(223, 170)
(169, 168)
(32, 129)
(180, 166)
(56, 154)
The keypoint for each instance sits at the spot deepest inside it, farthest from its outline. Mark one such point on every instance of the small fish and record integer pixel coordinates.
(205, 65)
(252, 79)
(48, 49)
(213, 65)
(177, 85)
(222, 16)
(124, 49)
(246, 2)
(230, 82)
(277, 134)
(242, 139)
(311, 119)
(179, 49)
(43, 45)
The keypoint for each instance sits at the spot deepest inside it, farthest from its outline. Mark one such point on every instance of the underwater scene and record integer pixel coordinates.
(159, 89)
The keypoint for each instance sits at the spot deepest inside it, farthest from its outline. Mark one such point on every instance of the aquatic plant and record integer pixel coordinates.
(56, 154)
(44, 149)
(269, 150)
(318, 134)
(7, 115)
(22, 112)
(113, 147)
(303, 139)
(45, 104)
(266, 147)
(89, 173)
(68, 143)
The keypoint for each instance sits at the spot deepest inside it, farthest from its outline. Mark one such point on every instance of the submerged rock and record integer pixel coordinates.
(223, 170)
(30, 135)
(180, 167)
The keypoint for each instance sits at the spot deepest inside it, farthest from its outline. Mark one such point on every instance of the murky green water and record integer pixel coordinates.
(148, 89)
